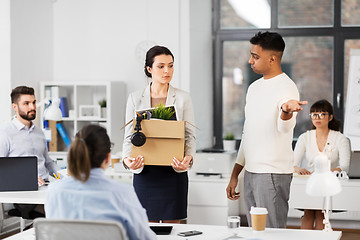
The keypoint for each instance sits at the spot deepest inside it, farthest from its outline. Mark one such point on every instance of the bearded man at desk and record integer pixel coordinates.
(22, 138)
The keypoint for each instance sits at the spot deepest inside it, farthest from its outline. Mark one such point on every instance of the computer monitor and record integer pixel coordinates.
(18, 174)
(354, 170)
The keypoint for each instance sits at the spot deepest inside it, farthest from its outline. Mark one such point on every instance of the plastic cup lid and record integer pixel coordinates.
(258, 210)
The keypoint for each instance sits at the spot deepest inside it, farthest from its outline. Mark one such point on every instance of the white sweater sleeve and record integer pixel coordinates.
(299, 150)
(291, 93)
(240, 159)
(344, 154)
(285, 126)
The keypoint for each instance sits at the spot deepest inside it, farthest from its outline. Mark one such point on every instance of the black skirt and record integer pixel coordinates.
(162, 192)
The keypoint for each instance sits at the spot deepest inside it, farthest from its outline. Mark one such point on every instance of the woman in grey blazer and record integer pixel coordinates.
(162, 190)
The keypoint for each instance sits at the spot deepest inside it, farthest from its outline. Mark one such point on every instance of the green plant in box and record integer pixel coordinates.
(162, 112)
(229, 136)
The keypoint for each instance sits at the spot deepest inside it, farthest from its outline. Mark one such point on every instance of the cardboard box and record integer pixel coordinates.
(165, 139)
(53, 144)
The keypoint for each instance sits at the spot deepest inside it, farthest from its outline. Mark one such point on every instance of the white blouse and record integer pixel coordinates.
(337, 149)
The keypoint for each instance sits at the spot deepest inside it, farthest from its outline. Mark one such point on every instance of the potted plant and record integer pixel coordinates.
(162, 112)
(229, 142)
(102, 104)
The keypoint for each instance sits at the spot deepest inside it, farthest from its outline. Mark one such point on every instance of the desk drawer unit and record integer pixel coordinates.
(347, 199)
(208, 203)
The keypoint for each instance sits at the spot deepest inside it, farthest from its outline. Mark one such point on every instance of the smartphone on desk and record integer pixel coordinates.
(189, 233)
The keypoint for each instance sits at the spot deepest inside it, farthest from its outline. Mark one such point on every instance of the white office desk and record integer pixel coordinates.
(39, 197)
(212, 232)
(347, 199)
(24, 197)
(215, 232)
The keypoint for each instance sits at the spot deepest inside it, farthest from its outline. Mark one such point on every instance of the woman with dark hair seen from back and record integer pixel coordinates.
(325, 137)
(162, 190)
(89, 195)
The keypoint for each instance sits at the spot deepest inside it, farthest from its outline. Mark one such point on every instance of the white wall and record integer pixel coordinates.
(101, 40)
(201, 83)
(25, 46)
(31, 44)
(97, 40)
(85, 40)
(5, 65)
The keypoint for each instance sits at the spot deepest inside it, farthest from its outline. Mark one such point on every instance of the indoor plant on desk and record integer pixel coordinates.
(229, 142)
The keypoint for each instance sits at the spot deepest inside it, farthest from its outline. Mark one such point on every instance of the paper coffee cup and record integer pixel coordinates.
(258, 218)
(114, 159)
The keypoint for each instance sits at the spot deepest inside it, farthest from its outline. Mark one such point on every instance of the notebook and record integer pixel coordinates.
(354, 170)
(18, 174)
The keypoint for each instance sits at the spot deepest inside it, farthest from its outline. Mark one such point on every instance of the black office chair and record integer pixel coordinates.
(26, 211)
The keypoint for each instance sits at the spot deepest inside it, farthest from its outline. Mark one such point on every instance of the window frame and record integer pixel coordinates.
(338, 32)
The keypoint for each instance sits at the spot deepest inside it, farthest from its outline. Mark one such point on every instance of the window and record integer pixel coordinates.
(240, 14)
(305, 13)
(317, 36)
(349, 44)
(309, 63)
(235, 80)
(350, 13)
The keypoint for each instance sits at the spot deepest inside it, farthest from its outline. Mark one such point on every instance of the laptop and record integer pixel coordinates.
(354, 169)
(18, 174)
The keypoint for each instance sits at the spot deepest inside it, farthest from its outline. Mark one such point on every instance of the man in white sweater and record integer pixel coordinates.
(272, 103)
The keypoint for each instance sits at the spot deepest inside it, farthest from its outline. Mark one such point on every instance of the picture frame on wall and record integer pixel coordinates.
(89, 111)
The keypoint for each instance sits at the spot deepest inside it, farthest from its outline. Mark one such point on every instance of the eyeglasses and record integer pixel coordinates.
(112, 146)
(318, 115)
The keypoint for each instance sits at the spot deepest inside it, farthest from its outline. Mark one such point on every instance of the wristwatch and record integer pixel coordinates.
(285, 111)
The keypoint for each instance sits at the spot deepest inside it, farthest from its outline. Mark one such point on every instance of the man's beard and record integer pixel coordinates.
(27, 116)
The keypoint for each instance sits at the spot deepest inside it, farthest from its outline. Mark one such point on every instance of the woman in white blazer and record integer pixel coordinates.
(162, 190)
(326, 138)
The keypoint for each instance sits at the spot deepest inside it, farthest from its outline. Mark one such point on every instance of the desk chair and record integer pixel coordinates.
(7, 222)
(51, 229)
(3, 216)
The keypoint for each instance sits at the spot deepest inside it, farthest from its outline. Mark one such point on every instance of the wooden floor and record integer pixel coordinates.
(350, 235)
(8, 234)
